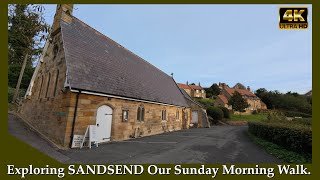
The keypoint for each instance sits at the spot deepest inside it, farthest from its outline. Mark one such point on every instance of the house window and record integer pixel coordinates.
(177, 114)
(202, 91)
(164, 115)
(125, 115)
(140, 113)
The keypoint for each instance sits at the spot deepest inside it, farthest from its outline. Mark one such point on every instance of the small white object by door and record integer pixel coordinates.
(103, 123)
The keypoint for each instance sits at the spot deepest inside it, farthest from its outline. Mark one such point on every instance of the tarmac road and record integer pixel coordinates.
(218, 144)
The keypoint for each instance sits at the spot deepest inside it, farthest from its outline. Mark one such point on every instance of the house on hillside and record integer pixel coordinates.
(195, 91)
(226, 92)
(85, 78)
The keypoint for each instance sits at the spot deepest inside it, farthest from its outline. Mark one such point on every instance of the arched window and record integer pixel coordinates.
(41, 82)
(177, 114)
(48, 85)
(56, 83)
(55, 51)
(140, 113)
(164, 115)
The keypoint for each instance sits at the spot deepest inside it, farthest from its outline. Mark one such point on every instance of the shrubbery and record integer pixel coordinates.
(296, 114)
(288, 135)
(226, 113)
(215, 113)
(206, 102)
(276, 116)
(11, 93)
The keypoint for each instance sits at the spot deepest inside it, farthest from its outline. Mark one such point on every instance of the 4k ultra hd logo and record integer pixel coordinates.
(293, 18)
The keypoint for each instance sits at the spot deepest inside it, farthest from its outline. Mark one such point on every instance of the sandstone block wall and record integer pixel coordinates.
(47, 108)
(122, 130)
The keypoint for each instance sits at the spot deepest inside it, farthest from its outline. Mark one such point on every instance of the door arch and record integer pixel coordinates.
(104, 123)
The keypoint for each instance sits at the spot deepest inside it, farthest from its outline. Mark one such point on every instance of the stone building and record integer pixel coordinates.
(85, 78)
(199, 117)
(195, 91)
(226, 92)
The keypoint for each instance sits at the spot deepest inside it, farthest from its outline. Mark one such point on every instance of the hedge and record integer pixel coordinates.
(215, 113)
(292, 137)
(226, 113)
(296, 114)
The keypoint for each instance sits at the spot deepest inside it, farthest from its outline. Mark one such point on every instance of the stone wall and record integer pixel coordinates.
(152, 124)
(47, 108)
(203, 121)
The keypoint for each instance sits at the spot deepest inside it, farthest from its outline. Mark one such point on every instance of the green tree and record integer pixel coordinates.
(212, 91)
(27, 31)
(237, 102)
(290, 101)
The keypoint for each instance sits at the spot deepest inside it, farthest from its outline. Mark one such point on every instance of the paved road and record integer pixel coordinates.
(219, 144)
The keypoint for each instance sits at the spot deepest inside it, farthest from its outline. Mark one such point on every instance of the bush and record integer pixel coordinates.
(215, 113)
(226, 113)
(290, 136)
(303, 121)
(296, 114)
(206, 102)
(276, 116)
(11, 93)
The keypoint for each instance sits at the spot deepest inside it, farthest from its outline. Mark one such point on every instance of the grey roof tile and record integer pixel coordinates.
(97, 63)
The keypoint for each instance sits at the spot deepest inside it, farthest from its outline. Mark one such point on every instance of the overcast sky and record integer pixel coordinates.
(209, 43)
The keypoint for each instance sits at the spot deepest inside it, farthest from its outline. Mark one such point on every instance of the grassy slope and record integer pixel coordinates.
(251, 117)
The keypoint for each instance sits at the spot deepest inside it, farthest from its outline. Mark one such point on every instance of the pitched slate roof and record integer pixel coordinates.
(96, 63)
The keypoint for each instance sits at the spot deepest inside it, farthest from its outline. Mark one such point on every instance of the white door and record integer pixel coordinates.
(103, 123)
(194, 117)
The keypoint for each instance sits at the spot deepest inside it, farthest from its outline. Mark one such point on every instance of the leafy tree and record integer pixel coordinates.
(239, 86)
(237, 102)
(27, 31)
(213, 90)
(290, 101)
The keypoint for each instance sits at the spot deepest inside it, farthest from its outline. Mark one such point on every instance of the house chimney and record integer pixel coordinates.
(248, 88)
(63, 12)
(187, 83)
(199, 84)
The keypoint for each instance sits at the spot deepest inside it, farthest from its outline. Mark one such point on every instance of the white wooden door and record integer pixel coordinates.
(194, 117)
(103, 123)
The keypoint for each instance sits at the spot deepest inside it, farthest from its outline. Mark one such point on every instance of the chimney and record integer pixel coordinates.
(199, 84)
(187, 83)
(248, 88)
(63, 12)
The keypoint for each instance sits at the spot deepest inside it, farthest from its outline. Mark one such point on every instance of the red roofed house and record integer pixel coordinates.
(193, 90)
(226, 92)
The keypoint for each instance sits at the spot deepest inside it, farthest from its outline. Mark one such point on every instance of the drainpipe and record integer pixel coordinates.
(74, 117)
